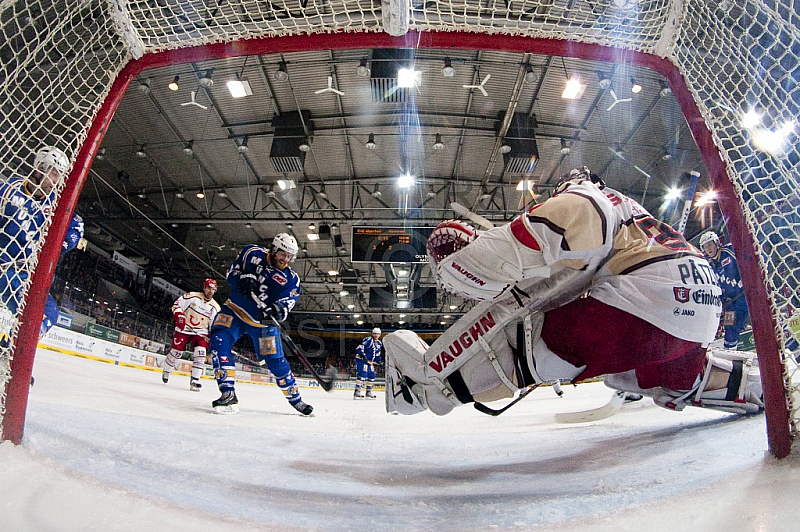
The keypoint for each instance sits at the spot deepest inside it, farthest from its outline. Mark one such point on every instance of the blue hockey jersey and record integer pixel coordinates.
(727, 270)
(276, 286)
(369, 350)
(21, 219)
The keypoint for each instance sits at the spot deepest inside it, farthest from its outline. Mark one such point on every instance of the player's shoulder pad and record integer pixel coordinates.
(189, 295)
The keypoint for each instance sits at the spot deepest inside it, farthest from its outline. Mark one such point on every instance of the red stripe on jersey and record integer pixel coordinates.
(522, 235)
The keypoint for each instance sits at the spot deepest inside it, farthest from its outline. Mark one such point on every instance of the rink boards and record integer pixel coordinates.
(77, 344)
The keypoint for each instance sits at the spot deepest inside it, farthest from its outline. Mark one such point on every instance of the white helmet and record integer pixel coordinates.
(50, 157)
(285, 242)
(376, 330)
(709, 236)
(448, 237)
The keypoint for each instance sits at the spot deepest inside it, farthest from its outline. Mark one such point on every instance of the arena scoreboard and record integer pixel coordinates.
(386, 244)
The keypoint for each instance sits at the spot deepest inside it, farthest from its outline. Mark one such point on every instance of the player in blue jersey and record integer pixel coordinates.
(735, 314)
(25, 206)
(263, 286)
(368, 353)
(71, 239)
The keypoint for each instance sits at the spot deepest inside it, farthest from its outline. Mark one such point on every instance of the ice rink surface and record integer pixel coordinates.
(112, 448)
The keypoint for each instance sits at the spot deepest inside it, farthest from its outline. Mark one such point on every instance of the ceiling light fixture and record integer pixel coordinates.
(530, 75)
(312, 227)
(140, 152)
(243, 147)
(312, 236)
(635, 87)
(281, 74)
(605, 80)
(141, 194)
(448, 71)
(370, 145)
(205, 79)
(438, 144)
(179, 194)
(564, 148)
(408, 77)
(362, 70)
(101, 154)
(239, 88)
(305, 145)
(188, 148)
(665, 89)
(504, 147)
(376, 193)
(573, 89)
(525, 184)
(144, 86)
(173, 85)
(222, 194)
(405, 181)
(200, 195)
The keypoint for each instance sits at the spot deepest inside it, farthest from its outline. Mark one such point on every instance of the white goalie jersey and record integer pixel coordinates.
(639, 264)
(199, 313)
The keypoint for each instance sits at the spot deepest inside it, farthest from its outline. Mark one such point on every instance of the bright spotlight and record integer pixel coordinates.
(672, 194)
(405, 181)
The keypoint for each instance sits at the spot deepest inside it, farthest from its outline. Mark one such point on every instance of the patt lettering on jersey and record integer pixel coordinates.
(463, 341)
(460, 269)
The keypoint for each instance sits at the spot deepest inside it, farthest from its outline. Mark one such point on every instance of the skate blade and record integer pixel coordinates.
(226, 410)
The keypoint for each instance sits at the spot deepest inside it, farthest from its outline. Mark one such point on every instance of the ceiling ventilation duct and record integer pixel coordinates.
(383, 74)
(285, 153)
(521, 159)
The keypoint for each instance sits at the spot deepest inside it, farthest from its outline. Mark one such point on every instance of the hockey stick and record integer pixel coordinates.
(480, 407)
(469, 215)
(325, 383)
(594, 414)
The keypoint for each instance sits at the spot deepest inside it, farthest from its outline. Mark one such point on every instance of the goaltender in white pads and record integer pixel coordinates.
(652, 306)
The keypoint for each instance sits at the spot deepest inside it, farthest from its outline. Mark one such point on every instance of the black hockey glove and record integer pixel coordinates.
(279, 312)
(248, 284)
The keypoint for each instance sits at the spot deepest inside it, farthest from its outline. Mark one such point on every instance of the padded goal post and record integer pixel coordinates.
(66, 64)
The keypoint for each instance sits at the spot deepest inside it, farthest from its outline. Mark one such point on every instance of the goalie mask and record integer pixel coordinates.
(577, 175)
(449, 237)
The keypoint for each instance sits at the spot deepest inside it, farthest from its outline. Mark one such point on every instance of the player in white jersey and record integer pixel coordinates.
(194, 312)
(587, 283)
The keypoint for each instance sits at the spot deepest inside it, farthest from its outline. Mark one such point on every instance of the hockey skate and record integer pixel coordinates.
(164, 377)
(303, 408)
(194, 384)
(370, 395)
(226, 404)
(358, 395)
(741, 395)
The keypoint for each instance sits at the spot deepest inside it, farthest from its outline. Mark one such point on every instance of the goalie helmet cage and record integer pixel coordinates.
(66, 65)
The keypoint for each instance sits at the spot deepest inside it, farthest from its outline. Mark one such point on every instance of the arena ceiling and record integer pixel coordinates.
(165, 147)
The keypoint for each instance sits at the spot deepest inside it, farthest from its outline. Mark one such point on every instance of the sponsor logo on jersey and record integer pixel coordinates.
(279, 278)
(470, 276)
(463, 341)
(681, 294)
(726, 261)
(706, 297)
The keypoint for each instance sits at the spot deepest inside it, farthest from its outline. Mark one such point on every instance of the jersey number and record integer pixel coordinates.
(663, 234)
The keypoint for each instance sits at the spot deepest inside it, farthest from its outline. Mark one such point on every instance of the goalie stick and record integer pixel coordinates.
(594, 414)
(469, 215)
(480, 407)
(325, 383)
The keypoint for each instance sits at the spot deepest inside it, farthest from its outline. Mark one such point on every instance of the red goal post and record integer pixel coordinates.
(715, 138)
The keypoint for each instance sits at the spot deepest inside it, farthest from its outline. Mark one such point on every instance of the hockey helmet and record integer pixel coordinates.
(210, 283)
(49, 157)
(285, 242)
(376, 330)
(449, 237)
(577, 175)
(710, 237)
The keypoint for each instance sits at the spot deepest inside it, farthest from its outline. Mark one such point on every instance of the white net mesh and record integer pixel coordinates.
(60, 58)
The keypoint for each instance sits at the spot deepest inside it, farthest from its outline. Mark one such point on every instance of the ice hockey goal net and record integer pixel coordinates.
(66, 63)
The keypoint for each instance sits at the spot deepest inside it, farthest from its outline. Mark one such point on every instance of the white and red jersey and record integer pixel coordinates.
(198, 311)
(641, 265)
